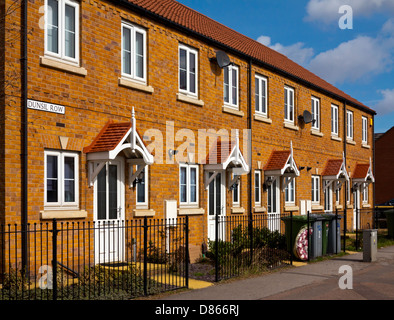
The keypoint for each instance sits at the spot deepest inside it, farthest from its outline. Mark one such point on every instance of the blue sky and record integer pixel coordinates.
(359, 60)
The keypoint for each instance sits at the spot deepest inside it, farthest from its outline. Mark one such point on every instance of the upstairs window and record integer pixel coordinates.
(261, 95)
(364, 130)
(188, 70)
(62, 30)
(289, 104)
(334, 120)
(231, 86)
(349, 125)
(316, 113)
(133, 52)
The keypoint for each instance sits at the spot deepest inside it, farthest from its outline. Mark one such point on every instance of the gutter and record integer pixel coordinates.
(240, 54)
(24, 138)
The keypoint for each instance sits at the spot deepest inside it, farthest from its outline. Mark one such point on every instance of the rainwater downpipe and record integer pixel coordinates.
(24, 138)
(348, 182)
(250, 156)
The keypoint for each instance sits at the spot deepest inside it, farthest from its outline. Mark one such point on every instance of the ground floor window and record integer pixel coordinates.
(188, 184)
(61, 179)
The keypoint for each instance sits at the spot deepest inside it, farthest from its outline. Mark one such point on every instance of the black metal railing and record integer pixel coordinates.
(247, 244)
(111, 260)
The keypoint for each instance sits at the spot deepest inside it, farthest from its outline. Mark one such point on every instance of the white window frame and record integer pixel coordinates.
(133, 61)
(257, 186)
(349, 124)
(364, 130)
(144, 204)
(61, 203)
(189, 203)
(290, 192)
(188, 50)
(315, 189)
(236, 192)
(231, 83)
(337, 196)
(289, 108)
(315, 102)
(260, 99)
(61, 31)
(365, 191)
(334, 120)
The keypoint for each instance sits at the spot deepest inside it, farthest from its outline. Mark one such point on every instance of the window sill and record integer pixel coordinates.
(233, 111)
(262, 118)
(143, 212)
(238, 210)
(184, 98)
(135, 85)
(351, 142)
(366, 205)
(349, 206)
(339, 207)
(290, 126)
(335, 138)
(63, 214)
(291, 208)
(63, 66)
(259, 209)
(316, 133)
(317, 207)
(190, 211)
(366, 146)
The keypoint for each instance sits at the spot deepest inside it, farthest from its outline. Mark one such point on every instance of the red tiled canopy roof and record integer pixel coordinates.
(109, 137)
(361, 171)
(333, 167)
(178, 14)
(277, 160)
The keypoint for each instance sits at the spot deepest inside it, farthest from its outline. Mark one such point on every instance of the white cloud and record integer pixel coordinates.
(326, 11)
(388, 27)
(296, 52)
(359, 58)
(386, 105)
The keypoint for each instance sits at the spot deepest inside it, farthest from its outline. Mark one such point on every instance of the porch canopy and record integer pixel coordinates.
(281, 164)
(115, 139)
(335, 173)
(225, 155)
(363, 174)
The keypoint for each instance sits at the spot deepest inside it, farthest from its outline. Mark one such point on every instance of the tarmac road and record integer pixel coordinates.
(313, 281)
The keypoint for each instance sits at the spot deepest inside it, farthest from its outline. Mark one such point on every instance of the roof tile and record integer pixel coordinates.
(180, 14)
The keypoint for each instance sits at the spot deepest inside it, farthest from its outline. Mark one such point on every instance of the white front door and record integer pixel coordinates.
(109, 213)
(273, 205)
(216, 206)
(356, 207)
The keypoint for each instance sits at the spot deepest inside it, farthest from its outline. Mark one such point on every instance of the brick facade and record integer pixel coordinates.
(93, 93)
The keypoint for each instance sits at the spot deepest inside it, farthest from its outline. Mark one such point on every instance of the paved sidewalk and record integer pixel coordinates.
(313, 281)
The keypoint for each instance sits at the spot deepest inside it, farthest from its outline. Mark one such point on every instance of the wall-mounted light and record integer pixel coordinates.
(301, 168)
(308, 168)
(172, 152)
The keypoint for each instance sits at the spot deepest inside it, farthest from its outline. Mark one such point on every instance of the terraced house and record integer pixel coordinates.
(117, 104)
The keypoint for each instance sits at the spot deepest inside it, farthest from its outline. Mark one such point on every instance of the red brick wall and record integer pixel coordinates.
(93, 99)
(384, 157)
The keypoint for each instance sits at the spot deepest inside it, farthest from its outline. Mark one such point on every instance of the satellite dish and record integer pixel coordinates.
(222, 59)
(306, 117)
